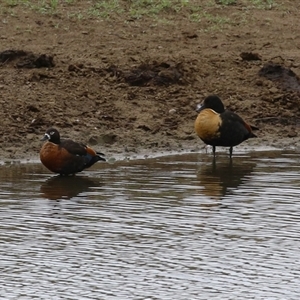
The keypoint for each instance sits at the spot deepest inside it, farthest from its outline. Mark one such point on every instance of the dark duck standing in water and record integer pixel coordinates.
(219, 127)
(66, 157)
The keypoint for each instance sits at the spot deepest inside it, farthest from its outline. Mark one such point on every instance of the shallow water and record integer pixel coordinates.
(177, 227)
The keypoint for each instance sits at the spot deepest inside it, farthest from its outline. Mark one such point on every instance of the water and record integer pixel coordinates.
(178, 227)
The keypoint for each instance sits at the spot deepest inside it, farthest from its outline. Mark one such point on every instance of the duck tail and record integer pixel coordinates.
(254, 127)
(90, 160)
(100, 156)
(252, 135)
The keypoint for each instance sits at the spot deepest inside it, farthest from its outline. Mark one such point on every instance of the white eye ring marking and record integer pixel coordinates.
(52, 132)
(47, 135)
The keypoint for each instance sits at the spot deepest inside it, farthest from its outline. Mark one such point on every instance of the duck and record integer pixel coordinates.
(217, 126)
(65, 156)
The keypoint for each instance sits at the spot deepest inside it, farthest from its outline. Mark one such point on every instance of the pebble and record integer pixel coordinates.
(273, 90)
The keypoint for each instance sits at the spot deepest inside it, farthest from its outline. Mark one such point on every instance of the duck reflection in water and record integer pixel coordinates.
(221, 179)
(58, 187)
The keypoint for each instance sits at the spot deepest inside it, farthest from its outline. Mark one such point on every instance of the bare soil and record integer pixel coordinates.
(131, 86)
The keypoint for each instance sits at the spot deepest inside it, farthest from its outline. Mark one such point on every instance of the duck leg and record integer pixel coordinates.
(214, 150)
(230, 152)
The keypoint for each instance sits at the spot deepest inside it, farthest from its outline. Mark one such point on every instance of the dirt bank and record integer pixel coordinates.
(131, 86)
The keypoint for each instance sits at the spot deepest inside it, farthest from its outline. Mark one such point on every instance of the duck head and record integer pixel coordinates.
(213, 102)
(51, 135)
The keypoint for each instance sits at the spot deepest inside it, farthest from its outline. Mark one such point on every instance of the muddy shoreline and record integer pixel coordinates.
(130, 89)
(119, 154)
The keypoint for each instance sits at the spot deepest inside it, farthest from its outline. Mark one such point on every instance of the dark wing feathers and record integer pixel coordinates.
(74, 147)
(81, 149)
(246, 128)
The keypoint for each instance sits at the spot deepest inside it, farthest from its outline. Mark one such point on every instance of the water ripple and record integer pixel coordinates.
(180, 227)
